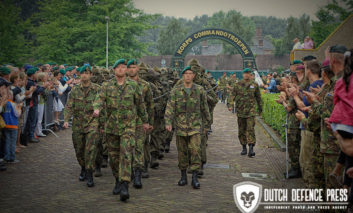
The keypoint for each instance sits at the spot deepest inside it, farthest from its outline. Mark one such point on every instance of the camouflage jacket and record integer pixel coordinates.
(147, 96)
(293, 122)
(189, 112)
(324, 108)
(212, 98)
(123, 104)
(80, 107)
(246, 96)
(223, 82)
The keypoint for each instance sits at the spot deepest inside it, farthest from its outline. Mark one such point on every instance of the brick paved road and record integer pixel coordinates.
(46, 179)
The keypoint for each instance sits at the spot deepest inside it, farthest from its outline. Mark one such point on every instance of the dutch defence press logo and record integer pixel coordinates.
(247, 196)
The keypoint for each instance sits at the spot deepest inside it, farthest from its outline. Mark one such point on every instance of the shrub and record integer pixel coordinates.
(274, 114)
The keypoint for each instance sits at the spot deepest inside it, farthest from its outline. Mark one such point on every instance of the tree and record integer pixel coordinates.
(13, 43)
(170, 37)
(329, 17)
(244, 27)
(74, 31)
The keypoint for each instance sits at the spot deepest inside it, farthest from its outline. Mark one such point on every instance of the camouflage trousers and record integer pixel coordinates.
(189, 146)
(330, 161)
(147, 149)
(85, 145)
(157, 137)
(246, 130)
(102, 151)
(294, 147)
(312, 160)
(138, 155)
(120, 148)
(204, 138)
(224, 94)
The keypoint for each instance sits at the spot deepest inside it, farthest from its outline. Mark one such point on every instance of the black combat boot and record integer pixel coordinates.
(251, 151)
(124, 192)
(167, 146)
(200, 172)
(137, 179)
(160, 154)
(154, 162)
(2, 165)
(89, 176)
(293, 173)
(183, 180)
(194, 182)
(145, 171)
(244, 151)
(117, 187)
(82, 174)
(105, 161)
(97, 172)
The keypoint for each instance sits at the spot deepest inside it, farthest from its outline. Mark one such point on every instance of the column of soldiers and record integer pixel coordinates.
(120, 116)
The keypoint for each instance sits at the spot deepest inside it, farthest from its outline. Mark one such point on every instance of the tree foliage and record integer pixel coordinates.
(170, 37)
(329, 17)
(12, 41)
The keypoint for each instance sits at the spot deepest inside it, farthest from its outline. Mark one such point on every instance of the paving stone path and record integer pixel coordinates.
(46, 178)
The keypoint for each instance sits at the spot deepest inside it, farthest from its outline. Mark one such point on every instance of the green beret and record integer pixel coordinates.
(246, 70)
(338, 49)
(78, 69)
(31, 71)
(131, 62)
(120, 61)
(55, 68)
(85, 68)
(69, 69)
(63, 71)
(185, 69)
(5, 70)
(297, 62)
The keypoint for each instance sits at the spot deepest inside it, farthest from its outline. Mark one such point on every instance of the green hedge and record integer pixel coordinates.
(274, 114)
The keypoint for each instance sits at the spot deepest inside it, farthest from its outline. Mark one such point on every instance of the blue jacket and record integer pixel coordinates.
(10, 115)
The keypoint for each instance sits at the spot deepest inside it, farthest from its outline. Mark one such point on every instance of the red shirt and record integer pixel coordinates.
(343, 101)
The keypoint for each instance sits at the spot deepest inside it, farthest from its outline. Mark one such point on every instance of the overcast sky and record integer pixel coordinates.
(191, 8)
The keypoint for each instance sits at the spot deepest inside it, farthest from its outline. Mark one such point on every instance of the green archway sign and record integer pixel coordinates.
(206, 34)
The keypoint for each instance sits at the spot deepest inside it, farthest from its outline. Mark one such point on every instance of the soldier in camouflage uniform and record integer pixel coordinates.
(328, 144)
(293, 135)
(212, 100)
(140, 135)
(157, 135)
(123, 99)
(84, 127)
(187, 108)
(100, 75)
(246, 95)
(223, 86)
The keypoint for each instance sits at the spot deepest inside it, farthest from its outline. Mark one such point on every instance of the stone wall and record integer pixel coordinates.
(342, 35)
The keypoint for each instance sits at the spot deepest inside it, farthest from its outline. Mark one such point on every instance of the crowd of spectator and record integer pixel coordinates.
(25, 92)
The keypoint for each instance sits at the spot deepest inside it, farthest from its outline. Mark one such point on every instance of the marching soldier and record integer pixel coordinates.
(187, 108)
(140, 135)
(84, 127)
(123, 99)
(246, 95)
